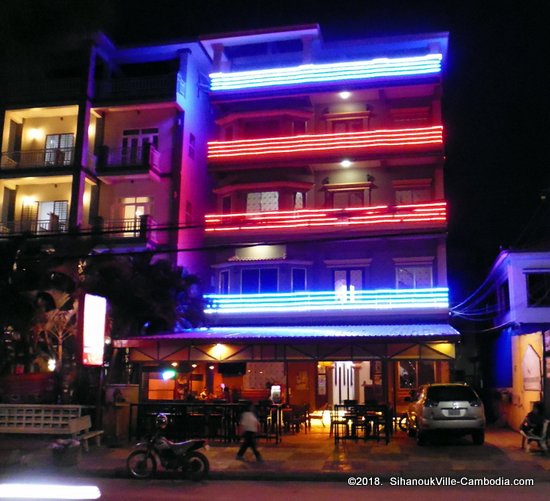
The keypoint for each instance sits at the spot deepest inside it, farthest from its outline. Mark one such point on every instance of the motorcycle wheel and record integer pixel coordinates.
(141, 464)
(196, 466)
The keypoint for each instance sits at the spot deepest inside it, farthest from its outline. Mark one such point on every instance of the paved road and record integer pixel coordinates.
(155, 490)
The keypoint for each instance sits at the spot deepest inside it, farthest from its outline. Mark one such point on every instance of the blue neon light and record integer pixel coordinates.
(381, 299)
(333, 72)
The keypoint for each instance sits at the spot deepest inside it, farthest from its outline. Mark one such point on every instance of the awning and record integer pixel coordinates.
(331, 332)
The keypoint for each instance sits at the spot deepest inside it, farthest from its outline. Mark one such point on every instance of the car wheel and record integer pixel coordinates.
(420, 437)
(478, 437)
(411, 431)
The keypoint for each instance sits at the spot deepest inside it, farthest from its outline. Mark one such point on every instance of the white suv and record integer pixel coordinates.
(446, 408)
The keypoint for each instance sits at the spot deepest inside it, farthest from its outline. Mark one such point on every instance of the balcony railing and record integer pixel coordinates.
(347, 218)
(142, 227)
(145, 156)
(337, 301)
(141, 87)
(375, 141)
(326, 73)
(54, 157)
(36, 226)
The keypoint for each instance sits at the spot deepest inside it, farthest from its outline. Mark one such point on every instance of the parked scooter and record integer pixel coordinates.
(143, 462)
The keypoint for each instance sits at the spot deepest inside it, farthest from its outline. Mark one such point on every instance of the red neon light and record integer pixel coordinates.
(351, 216)
(325, 142)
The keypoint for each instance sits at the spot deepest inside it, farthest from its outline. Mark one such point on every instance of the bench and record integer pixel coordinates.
(81, 429)
(38, 419)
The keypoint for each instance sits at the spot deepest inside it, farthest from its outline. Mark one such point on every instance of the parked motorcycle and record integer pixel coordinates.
(143, 462)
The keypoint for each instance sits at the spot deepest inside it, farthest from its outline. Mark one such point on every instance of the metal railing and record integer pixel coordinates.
(51, 157)
(121, 157)
(140, 227)
(37, 226)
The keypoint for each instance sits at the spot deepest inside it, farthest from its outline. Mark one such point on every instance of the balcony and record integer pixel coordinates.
(300, 306)
(36, 226)
(165, 87)
(53, 158)
(124, 161)
(327, 147)
(383, 217)
(139, 229)
(324, 74)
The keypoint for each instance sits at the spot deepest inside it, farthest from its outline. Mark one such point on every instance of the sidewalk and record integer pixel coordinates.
(310, 456)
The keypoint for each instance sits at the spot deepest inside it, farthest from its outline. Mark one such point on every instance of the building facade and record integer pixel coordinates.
(520, 339)
(327, 229)
(301, 178)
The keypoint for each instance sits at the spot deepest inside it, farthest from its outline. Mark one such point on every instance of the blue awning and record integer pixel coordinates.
(385, 331)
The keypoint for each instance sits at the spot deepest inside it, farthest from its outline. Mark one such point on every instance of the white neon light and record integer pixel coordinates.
(332, 72)
(48, 491)
(382, 299)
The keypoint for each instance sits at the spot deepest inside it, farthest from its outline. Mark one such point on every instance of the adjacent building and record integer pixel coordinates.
(519, 341)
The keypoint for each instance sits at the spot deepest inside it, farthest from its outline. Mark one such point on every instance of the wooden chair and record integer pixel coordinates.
(318, 414)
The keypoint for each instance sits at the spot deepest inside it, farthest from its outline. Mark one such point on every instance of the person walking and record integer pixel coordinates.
(249, 426)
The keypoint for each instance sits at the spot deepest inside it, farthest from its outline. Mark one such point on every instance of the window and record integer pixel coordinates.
(261, 128)
(348, 280)
(538, 289)
(259, 280)
(131, 209)
(262, 201)
(299, 127)
(412, 196)
(414, 277)
(503, 297)
(298, 279)
(223, 285)
(226, 205)
(349, 125)
(134, 143)
(299, 200)
(355, 198)
(59, 149)
(45, 216)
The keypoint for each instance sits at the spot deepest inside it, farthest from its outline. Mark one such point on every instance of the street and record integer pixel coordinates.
(120, 489)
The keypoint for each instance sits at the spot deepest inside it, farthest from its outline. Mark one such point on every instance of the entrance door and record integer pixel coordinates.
(343, 382)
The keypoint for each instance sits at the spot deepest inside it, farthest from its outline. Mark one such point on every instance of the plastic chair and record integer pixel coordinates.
(541, 440)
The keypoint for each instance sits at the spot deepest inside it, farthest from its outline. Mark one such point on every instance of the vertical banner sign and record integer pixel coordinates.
(93, 336)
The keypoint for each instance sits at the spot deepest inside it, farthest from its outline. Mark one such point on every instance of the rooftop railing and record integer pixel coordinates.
(345, 218)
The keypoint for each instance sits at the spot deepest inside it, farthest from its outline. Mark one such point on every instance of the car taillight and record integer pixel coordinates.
(475, 403)
(430, 403)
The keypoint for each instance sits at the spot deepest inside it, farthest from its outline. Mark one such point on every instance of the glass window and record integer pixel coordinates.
(262, 201)
(298, 279)
(407, 374)
(413, 196)
(299, 201)
(538, 289)
(224, 282)
(345, 280)
(448, 393)
(59, 149)
(259, 280)
(414, 277)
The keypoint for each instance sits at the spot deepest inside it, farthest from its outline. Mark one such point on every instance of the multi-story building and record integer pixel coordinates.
(110, 141)
(518, 344)
(326, 224)
(328, 229)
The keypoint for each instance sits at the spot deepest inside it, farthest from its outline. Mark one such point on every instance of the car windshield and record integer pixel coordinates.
(444, 393)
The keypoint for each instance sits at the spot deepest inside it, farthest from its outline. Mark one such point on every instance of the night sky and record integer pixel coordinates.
(496, 94)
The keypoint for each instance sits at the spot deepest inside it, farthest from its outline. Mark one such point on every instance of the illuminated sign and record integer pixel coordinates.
(324, 143)
(316, 218)
(379, 299)
(307, 74)
(93, 331)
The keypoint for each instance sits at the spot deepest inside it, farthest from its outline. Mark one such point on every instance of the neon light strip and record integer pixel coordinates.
(311, 218)
(382, 299)
(325, 142)
(332, 72)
